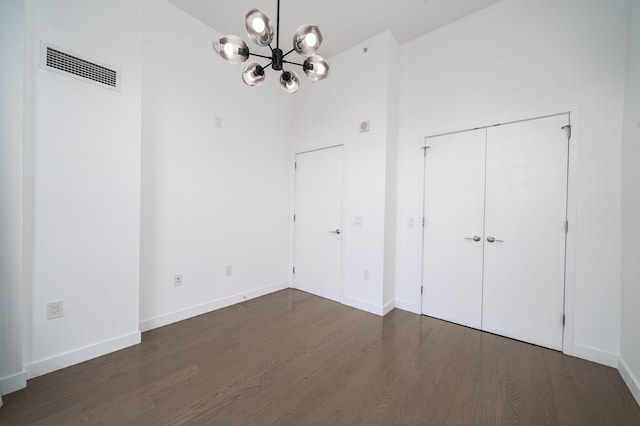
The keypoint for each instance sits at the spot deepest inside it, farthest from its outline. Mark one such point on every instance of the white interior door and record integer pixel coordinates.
(318, 222)
(453, 231)
(525, 212)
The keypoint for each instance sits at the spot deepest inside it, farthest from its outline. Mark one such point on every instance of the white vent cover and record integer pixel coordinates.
(61, 62)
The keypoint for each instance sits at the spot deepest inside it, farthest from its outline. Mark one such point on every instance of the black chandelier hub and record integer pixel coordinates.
(277, 57)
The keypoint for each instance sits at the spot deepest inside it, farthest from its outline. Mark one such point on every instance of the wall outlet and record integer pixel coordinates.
(358, 221)
(365, 275)
(411, 222)
(228, 270)
(177, 280)
(55, 310)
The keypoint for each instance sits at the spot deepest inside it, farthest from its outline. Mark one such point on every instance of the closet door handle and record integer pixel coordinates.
(492, 239)
(337, 231)
(474, 238)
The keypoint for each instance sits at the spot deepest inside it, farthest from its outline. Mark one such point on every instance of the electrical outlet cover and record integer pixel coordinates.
(55, 310)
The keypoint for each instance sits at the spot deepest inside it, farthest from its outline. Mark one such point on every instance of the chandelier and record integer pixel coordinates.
(306, 41)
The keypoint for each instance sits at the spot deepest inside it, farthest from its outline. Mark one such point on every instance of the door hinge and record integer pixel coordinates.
(421, 289)
(295, 165)
(563, 320)
(294, 217)
(568, 127)
(424, 150)
(294, 269)
(566, 226)
(423, 221)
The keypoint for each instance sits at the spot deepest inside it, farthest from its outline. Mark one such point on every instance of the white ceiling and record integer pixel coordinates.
(344, 23)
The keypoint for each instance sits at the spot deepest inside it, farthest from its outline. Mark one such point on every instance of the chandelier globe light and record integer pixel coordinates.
(232, 49)
(259, 27)
(253, 74)
(306, 42)
(289, 81)
(315, 67)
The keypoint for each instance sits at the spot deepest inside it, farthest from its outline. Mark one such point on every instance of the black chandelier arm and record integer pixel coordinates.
(304, 66)
(291, 51)
(260, 56)
(293, 63)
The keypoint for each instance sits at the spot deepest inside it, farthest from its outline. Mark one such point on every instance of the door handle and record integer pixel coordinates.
(474, 238)
(493, 240)
(337, 231)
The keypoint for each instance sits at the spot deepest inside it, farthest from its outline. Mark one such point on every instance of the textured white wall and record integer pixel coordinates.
(82, 169)
(520, 59)
(211, 197)
(630, 341)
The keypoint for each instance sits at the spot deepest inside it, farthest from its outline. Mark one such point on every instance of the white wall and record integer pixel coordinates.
(12, 376)
(211, 197)
(630, 340)
(82, 184)
(328, 113)
(520, 59)
(391, 174)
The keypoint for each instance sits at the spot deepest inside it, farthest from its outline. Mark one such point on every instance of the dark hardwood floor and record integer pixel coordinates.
(294, 358)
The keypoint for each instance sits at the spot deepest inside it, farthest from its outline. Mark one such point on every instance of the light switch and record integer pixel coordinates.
(357, 221)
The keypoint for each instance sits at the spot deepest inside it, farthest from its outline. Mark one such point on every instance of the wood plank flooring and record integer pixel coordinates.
(293, 358)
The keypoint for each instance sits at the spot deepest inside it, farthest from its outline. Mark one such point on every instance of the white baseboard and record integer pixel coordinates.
(408, 306)
(592, 354)
(363, 305)
(630, 379)
(170, 318)
(47, 365)
(388, 307)
(13, 383)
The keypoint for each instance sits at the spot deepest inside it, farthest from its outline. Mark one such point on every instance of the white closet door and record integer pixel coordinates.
(526, 181)
(454, 208)
(318, 223)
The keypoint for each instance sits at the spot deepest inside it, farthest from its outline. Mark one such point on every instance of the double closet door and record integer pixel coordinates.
(495, 229)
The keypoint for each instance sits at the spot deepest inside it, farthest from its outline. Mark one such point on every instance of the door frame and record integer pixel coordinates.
(292, 210)
(568, 346)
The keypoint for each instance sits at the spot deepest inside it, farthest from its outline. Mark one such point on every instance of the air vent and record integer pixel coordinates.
(55, 59)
